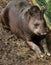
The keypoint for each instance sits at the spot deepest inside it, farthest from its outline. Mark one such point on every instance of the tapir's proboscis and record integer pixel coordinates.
(26, 22)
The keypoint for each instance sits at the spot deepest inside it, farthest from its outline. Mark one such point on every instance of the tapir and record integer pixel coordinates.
(26, 22)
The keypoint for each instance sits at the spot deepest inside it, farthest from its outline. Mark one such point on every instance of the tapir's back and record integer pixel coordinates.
(20, 5)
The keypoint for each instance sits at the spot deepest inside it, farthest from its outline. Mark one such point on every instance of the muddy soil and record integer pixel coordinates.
(15, 51)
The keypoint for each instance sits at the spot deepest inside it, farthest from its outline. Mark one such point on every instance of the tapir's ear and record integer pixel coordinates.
(43, 9)
(34, 9)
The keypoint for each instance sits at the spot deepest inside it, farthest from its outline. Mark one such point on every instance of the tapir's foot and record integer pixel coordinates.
(44, 55)
(41, 56)
(35, 48)
(48, 54)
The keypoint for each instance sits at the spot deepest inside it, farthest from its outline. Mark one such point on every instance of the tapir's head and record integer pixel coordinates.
(36, 20)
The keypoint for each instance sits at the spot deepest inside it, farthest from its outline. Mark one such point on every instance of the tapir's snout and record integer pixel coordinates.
(43, 33)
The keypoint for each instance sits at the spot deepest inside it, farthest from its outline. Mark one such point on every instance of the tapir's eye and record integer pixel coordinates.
(36, 25)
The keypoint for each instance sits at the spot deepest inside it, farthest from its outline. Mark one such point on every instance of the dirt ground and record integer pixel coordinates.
(15, 51)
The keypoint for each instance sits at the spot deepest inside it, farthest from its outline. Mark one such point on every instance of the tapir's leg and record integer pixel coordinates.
(44, 45)
(35, 48)
(4, 18)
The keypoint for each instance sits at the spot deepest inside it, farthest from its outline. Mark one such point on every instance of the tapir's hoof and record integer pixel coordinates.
(41, 56)
(48, 54)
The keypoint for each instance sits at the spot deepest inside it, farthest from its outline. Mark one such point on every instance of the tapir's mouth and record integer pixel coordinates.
(43, 34)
